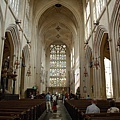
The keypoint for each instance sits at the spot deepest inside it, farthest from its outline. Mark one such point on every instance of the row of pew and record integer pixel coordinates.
(23, 109)
(77, 108)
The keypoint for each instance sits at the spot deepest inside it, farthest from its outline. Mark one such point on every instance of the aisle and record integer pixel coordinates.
(61, 113)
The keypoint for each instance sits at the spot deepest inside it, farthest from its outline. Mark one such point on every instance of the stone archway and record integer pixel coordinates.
(115, 48)
(7, 62)
(11, 52)
(47, 29)
(98, 62)
(105, 54)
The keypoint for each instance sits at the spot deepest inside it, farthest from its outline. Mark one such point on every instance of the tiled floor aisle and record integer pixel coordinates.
(61, 113)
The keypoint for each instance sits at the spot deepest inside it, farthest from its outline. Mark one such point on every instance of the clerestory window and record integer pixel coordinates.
(27, 17)
(98, 6)
(14, 4)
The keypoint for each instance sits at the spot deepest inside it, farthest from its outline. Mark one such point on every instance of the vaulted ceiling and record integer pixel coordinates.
(57, 24)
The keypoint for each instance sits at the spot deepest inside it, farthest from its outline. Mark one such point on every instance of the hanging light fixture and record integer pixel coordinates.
(85, 72)
(28, 71)
(17, 63)
(96, 63)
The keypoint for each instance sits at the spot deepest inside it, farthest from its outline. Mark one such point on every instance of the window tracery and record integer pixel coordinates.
(27, 16)
(57, 65)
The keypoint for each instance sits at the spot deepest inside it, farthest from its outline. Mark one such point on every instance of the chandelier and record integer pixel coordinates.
(17, 63)
(85, 72)
(28, 71)
(96, 63)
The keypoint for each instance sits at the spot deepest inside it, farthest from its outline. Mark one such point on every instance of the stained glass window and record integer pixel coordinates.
(57, 65)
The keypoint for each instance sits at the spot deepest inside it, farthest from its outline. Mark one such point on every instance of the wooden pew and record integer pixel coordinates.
(9, 118)
(102, 116)
(83, 103)
(32, 109)
(19, 114)
(77, 107)
(22, 113)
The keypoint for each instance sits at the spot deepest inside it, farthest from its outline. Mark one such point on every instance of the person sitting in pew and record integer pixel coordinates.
(92, 108)
(31, 96)
(112, 108)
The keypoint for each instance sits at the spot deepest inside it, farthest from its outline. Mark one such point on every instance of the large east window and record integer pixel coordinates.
(57, 65)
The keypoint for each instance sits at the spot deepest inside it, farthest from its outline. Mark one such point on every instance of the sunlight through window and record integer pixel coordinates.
(108, 77)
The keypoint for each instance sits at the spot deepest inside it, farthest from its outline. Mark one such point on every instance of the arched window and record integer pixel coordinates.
(108, 76)
(87, 19)
(98, 6)
(72, 57)
(57, 65)
(14, 4)
(27, 16)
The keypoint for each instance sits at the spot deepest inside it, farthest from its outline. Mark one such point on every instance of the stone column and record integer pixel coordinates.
(97, 81)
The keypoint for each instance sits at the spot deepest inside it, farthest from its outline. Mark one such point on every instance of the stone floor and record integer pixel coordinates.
(61, 113)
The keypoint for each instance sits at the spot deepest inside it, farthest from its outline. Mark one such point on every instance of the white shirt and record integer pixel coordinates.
(54, 98)
(113, 110)
(32, 96)
(92, 109)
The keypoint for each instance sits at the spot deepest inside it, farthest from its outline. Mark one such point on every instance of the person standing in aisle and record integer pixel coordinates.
(48, 102)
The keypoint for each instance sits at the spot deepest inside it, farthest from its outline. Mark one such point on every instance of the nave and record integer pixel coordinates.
(61, 113)
(35, 109)
(58, 46)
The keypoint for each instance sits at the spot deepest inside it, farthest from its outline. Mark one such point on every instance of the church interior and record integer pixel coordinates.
(60, 46)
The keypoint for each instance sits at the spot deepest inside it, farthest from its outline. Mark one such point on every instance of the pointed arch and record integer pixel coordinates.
(70, 7)
(115, 38)
(11, 50)
(100, 39)
(13, 31)
(115, 22)
(101, 30)
(51, 3)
